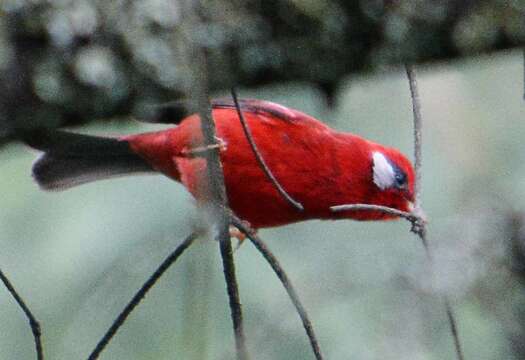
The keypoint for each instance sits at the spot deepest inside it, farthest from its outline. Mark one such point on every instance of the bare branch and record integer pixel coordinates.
(259, 157)
(199, 151)
(416, 217)
(420, 230)
(453, 328)
(216, 196)
(416, 109)
(279, 271)
(218, 202)
(418, 220)
(152, 280)
(33, 323)
(385, 209)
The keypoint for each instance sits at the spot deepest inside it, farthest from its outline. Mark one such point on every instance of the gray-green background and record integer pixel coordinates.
(78, 256)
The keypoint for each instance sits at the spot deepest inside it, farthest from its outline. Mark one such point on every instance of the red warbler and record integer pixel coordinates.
(318, 166)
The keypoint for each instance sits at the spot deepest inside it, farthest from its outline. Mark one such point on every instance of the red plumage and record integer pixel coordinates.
(316, 165)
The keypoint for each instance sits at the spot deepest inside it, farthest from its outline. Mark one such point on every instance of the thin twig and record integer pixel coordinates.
(418, 227)
(448, 307)
(216, 195)
(416, 216)
(218, 202)
(33, 323)
(234, 298)
(416, 109)
(421, 229)
(279, 271)
(418, 220)
(152, 280)
(384, 209)
(200, 151)
(259, 157)
(453, 328)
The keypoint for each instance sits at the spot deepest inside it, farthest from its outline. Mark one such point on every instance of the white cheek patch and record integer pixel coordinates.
(384, 175)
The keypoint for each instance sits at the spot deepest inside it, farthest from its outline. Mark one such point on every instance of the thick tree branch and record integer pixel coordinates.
(259, 157)
(279, 271)
(152, 280)
(33, 323)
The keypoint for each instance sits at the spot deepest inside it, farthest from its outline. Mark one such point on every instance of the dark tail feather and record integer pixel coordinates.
(71, 159)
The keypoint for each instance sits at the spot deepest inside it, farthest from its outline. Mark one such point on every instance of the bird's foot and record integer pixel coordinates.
(239, 235)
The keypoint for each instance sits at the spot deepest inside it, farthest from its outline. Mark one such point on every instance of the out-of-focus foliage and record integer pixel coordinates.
(72, 61)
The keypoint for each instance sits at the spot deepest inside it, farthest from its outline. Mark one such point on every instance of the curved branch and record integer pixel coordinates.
(279, 271)
(33, 323)
(137, 298)
(259, 157)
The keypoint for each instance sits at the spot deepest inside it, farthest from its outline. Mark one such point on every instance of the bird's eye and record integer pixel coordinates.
(400, 179)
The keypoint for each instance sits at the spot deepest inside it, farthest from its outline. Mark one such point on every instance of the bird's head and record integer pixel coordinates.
(392, 177)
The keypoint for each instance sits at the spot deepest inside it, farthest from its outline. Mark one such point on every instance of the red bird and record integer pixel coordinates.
(317, 166)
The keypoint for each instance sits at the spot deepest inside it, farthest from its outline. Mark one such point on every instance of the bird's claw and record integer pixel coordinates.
(239, 235)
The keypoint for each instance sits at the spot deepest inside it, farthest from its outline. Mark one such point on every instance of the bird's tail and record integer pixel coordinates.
(71, 159)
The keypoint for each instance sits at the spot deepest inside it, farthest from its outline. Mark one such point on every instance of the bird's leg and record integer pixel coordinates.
(199, 151)
(239, 235)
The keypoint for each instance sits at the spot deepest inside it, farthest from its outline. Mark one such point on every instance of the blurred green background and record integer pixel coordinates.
(78, 256)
